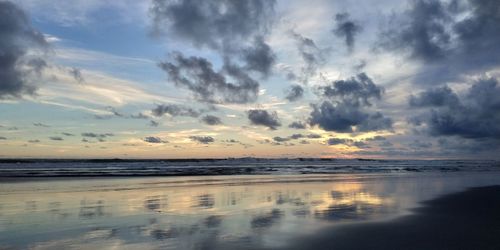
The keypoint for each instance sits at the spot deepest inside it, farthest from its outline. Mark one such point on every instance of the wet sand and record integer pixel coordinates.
(465, 220)
(351, 211)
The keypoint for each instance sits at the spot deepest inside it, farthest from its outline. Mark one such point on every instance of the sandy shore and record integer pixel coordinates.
(352, 211)
(465, 220)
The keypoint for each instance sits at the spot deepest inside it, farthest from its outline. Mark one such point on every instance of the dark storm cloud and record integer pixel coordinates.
(346, 28)
(294, 93)
(211, 120)
(474, 114)
(437, 97)
(218, 24)
(342, 118)
(236, 30)
(297, 125)
(452, 41)
(423, 34)
(174, 110)
(153, 139)
(17, 40)
(202, 139)
(207, 85)
(264, 118)
(347, 105)
(260, 57)
(355, 91)
(374, 122)
(56, 138)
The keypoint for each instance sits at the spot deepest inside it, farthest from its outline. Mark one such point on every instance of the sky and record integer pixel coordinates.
(252, 78)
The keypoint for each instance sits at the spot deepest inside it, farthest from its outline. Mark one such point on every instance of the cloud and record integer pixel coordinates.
(451, 41)
(153, 123)
(3, 138)
(202, 139)
(235, 30)
(417, 144)
(174, 110)
(33, 141)
(474, 114)
(376, 138)
(347, 142)
(289, 138)
(342, 118)
(95, 135)
(76, 74)
(281, 139)
(311, 54)
(346, 29)
(38, 124)
(422, 34)
(436, 97)
(294, 93)
(211, 120)
(22, 49)
(264, 118)
(296, 136)
(297, 125)
(260, 57)
(67, 134)
(152, 139)
(56, 138)
(314, 136)
(139, 116)
(346, 109)
(354, 91)
(221, 25)
(207, 85)
(337, 141)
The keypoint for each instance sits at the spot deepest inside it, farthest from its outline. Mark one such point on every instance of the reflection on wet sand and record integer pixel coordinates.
(154, 213)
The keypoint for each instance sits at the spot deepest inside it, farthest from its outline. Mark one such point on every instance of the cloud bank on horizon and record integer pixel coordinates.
(222, 78)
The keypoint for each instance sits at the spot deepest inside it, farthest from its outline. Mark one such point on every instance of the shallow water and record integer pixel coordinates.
(208, 212)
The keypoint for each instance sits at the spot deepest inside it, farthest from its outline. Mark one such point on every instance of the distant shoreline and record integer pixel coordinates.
(104, 160)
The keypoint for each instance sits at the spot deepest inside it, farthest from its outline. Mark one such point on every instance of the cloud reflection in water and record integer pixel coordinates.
(166, 213)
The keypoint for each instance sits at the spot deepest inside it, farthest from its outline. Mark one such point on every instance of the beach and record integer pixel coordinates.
(463, 220)
(311, 211)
